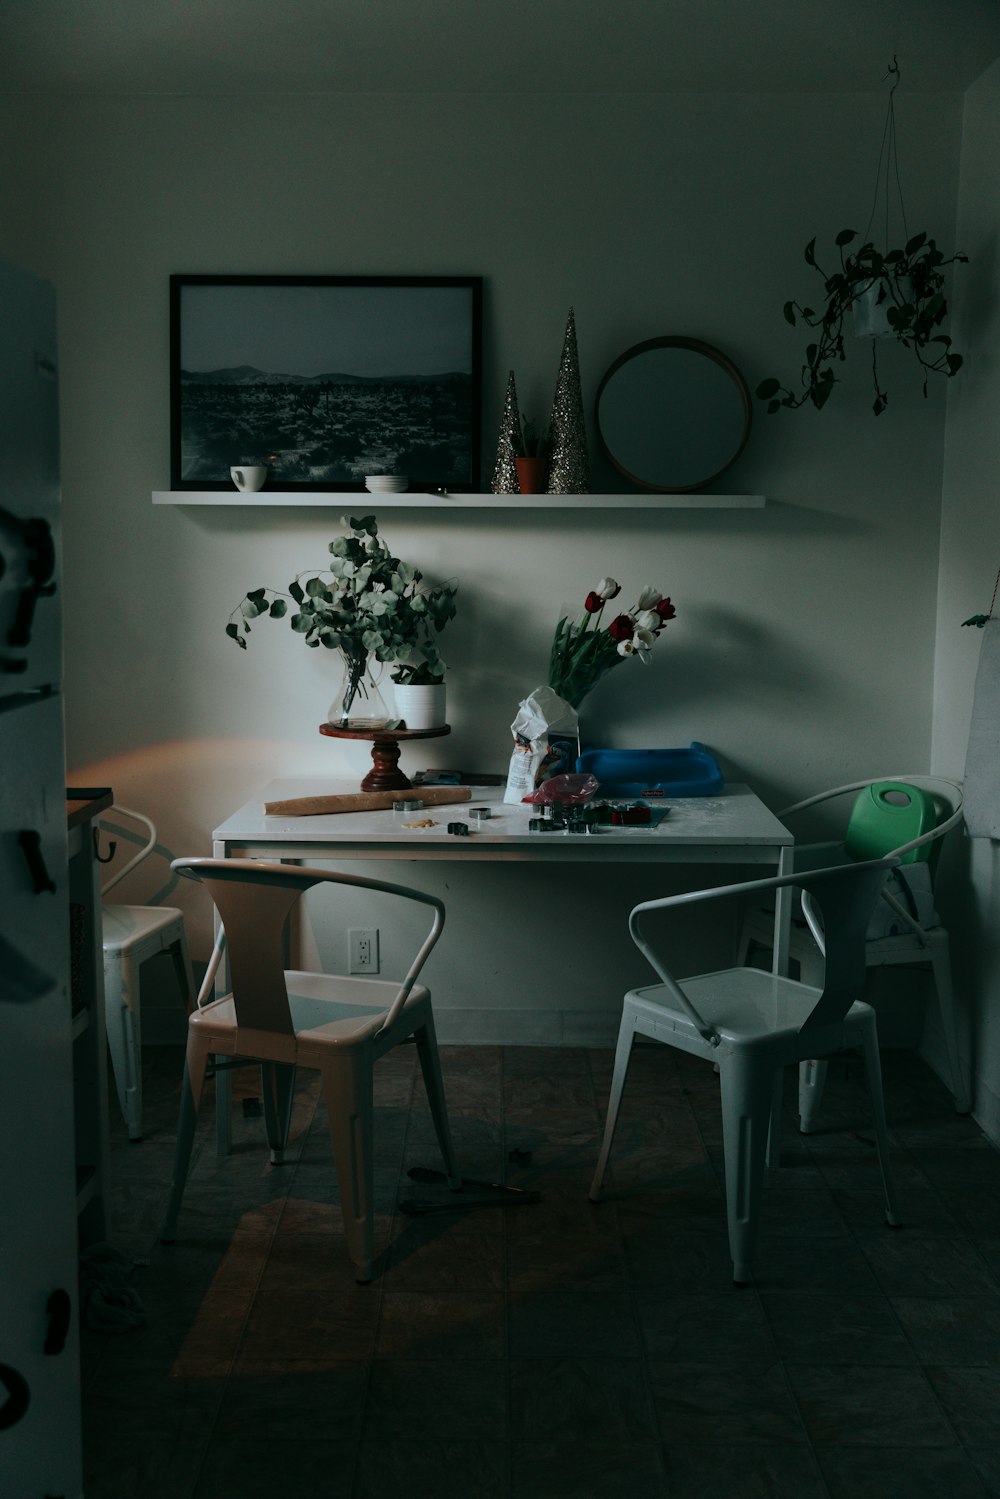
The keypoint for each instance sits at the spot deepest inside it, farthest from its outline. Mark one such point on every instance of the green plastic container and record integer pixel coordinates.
(886, 815)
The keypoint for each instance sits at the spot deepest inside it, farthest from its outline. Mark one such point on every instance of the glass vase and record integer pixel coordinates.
(359, 704)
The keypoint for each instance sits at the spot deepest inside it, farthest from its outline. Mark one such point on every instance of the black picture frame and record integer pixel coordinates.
(325, 379)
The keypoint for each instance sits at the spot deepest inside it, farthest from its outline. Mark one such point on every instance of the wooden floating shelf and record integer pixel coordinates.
(418, 501)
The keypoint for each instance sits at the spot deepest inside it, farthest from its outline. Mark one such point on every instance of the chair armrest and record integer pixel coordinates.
(869, 870)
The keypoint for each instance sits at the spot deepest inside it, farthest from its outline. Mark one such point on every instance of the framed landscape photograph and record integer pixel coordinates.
(325, 379)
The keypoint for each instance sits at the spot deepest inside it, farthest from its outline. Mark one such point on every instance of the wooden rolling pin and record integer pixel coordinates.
(366, 801)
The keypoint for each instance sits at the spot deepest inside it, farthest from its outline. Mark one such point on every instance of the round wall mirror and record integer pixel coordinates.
(673, 414)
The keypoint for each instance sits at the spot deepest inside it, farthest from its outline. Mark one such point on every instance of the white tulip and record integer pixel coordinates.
(649, 597)
(647, 619)
(645, 638)
(626, 648)
(608, 588)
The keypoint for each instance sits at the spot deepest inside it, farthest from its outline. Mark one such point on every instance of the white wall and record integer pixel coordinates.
(970, 556)
(803, 648)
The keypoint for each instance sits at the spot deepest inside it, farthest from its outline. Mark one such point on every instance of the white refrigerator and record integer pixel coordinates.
(40, 1441)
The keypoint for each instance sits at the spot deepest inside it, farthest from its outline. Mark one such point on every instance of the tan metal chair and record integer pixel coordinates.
(338, 1025)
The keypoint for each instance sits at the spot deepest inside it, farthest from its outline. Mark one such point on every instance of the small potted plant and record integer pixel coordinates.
(368, 605)
(418, 670)
(898, 294)
(531, 457)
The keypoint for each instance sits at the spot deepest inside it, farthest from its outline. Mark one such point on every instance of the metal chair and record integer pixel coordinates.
(905, 817)
(131, 935)
(282, 1019)
(753, 1024)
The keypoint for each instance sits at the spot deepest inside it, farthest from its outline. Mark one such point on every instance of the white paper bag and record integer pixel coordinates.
(546, 742)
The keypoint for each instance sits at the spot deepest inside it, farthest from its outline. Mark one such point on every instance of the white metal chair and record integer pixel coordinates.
(131, 935)
(753, 1024)
(282, 1019)
(887, 820)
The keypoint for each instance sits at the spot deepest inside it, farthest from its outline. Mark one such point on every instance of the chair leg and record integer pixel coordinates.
(812, 1080)
(941, 962)
(747, 1094)
(773, 1156)
(122, 1023)
(277, 1082)
(182, 967)
(192, 1087)
(623, 1052)
(430, 1066)
(223, 1112)
(873, 1071)
(347, 1092)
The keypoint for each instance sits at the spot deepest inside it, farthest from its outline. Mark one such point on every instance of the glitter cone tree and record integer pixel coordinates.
(505, 470)
(569, 460)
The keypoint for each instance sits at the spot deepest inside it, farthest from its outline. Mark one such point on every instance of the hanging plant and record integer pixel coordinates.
(889, 293)
(906, 285)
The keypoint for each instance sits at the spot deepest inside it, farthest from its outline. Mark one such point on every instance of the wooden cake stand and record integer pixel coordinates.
(385, 774)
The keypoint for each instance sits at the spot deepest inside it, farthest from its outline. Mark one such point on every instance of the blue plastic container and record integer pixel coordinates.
(654, 773)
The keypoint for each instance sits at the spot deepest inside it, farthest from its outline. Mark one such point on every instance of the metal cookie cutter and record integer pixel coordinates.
(406, 806)
(460, 829)
(479, 815)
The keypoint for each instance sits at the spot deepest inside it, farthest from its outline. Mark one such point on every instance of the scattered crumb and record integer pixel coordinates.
(425, 822)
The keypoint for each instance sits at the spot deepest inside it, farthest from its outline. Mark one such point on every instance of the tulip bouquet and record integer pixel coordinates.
(584, 649)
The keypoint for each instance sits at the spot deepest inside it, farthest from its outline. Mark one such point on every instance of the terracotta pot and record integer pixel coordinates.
(532, 474)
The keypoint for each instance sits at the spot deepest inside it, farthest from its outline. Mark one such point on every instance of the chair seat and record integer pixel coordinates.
(326, 1009)
(905, 947)
(128, 926)
(744, 1005)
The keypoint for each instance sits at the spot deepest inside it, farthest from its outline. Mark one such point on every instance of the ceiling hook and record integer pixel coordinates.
(893, 69)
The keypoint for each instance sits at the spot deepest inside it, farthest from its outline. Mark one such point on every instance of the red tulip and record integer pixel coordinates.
(665, 610)
(621, 628)
(593, 603)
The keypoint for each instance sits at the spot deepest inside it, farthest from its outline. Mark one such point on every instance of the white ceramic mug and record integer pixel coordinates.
(248, 477)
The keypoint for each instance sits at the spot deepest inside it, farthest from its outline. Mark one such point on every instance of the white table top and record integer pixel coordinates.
(733, 826)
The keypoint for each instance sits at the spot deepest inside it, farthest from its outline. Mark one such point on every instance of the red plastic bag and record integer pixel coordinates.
(570, 790)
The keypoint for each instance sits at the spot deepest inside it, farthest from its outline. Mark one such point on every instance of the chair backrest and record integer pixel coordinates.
(106, 822)
(846, 896)
(253, 900)
(946, 799)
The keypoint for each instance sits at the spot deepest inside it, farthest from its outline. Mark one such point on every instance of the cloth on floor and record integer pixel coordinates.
(982, 758)
(108, 1302)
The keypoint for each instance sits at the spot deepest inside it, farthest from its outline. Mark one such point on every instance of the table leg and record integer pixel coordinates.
(223, 1075)
(782, 915)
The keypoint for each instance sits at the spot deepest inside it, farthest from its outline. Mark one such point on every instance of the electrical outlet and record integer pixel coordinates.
(362, 948)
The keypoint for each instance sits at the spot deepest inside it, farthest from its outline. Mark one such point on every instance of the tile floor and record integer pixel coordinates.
(563, 1348)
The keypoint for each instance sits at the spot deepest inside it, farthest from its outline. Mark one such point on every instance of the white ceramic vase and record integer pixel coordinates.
(421, 707)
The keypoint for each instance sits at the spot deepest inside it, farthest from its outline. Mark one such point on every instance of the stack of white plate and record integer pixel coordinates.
(386, 483)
